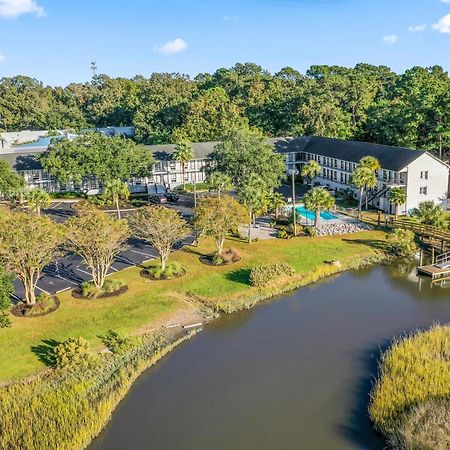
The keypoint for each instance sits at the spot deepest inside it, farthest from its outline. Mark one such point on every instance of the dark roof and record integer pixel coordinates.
(392, 158)
(24, 160)
(163, 152)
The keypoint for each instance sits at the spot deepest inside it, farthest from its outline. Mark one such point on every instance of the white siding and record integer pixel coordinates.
(436, 185)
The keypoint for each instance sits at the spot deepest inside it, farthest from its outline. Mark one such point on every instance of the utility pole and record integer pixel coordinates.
(294, 212)
(94, 69)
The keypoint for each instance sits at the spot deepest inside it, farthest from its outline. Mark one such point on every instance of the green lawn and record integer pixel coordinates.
(147, 302)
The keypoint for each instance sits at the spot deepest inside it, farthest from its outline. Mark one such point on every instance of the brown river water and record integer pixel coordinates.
(292, 373)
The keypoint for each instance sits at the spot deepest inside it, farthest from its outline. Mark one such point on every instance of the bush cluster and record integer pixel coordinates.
(173, 269)
(263, 275)
(73, 352)
(412, 393)
(90, 290)
(401, 243)
(118, 343)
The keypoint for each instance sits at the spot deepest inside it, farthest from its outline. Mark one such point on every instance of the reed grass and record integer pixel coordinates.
(67, 408)
(414, 380)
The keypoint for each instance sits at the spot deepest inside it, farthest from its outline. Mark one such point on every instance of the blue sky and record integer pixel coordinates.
(55, 40)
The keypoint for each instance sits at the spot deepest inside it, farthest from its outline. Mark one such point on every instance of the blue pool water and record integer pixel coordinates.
(310, 214)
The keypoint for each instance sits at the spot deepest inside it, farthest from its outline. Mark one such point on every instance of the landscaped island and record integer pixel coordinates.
(82, 397)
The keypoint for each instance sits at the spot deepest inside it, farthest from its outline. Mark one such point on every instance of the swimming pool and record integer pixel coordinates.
(325, 215)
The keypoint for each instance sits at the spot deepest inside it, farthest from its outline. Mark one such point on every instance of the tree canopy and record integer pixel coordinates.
(365, 102)
(93, 154)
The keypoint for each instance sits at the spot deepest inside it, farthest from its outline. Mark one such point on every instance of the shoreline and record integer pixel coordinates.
(209, 310)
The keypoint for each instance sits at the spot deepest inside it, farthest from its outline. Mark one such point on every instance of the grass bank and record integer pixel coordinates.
(410, 402)
(67, 408)
(148, 303)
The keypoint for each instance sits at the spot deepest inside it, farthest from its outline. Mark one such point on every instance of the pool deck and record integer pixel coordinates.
(340, 219)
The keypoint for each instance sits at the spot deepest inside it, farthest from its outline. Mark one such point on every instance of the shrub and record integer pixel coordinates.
(5, 321)
(414, 371)
(283, 234)
(90, 290)
(118, 343)
(45, 303)
(6, 290)
(263, 275)
(73, 352)
(401, 243)
(310, 231)
(173, 269)
(217, 260)
(230, 256)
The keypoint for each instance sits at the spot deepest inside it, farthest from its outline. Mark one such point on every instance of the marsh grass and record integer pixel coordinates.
(66, 409)
(413, 386)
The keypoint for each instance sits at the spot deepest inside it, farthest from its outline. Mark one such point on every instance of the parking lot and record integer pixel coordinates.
(68, 271)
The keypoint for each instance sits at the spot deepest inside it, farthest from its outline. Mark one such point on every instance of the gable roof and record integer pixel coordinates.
(391, 158)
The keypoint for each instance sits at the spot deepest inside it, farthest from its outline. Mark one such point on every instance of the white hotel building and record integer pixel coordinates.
(422, 175)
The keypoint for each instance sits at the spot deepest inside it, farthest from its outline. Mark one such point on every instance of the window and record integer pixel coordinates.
(423, 190)
(424, 175)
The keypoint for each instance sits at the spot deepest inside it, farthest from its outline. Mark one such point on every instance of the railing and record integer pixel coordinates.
(422, 230)
(443, 260)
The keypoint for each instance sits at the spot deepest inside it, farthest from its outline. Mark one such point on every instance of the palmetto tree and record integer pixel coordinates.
(363, 178)
(38, 199)
(370, 162)
(317, 200)
(276, 201)
(253, 195)
(219, 182)
(183, 153)
(397, 197)
(310, 170)
(428, 213)
(116, 190)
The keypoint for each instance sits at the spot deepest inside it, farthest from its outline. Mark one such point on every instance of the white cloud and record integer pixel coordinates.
(443, 25)
(418, 28)
(390, 39)
(2, 57)
(11, 9)
(445, 1)
(233, 17)
(175, 46)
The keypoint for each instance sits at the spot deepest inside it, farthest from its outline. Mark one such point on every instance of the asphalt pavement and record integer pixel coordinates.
(68, 271)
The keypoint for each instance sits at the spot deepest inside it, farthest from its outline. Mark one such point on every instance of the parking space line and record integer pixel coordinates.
(81, 270)
(43, 290)
(141, 253)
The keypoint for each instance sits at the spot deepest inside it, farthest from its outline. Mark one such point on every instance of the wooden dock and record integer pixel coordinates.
(434, 271)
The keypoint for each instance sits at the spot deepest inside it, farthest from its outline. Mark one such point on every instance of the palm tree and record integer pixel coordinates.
(397, 197)
(317, 200)
(38, 199)
(116, 190)
(363, 178)
(277, 202)
(253, 195)
(370, 162)
(183, 153)
(429, 214)
(219, 182)
(310, 170)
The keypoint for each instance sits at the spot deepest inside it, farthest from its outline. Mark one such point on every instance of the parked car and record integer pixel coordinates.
(157, 199)
(171, 197)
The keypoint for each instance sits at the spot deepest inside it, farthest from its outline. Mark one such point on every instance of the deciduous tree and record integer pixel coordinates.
(98, 238)
(161, 227)
(217, 217)
(27, 245)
